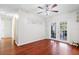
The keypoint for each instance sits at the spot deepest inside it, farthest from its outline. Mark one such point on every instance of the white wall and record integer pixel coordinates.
(72, 26)
(29, 28)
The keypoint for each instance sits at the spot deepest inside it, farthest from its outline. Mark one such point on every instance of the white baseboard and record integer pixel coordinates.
(20, 44)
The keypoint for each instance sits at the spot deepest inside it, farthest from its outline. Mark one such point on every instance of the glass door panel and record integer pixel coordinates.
(63, 30)
(53, 30)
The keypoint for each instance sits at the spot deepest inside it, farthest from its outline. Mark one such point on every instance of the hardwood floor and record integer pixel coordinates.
(42, 47)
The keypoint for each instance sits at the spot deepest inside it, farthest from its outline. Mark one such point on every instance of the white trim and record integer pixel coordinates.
(20, 44)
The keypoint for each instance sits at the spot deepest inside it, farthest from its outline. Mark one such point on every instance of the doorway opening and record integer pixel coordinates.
(7, 31)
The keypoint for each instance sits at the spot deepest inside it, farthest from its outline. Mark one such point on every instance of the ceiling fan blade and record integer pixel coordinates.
(54, 11)
(40, 7)
(53, 5)
(47, 5)
(39, 12)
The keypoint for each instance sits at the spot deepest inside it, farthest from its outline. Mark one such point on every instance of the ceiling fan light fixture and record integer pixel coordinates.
(48, 8)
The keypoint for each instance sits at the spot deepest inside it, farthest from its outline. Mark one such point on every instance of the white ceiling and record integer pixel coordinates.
(32, 8)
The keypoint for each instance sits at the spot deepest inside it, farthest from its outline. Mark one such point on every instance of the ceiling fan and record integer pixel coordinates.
(47, 8)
